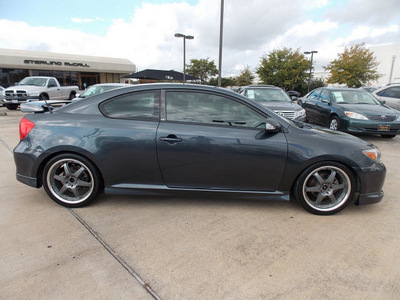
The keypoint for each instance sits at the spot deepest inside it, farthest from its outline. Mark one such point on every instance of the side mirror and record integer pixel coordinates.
(272, 126)
(382, 101)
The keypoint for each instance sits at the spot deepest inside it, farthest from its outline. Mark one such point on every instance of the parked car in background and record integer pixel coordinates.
(390, 94)
(1, 95)
(275, 99)
(183, 139)
(351, 110)
(99, 88)
(37, 88)
(369, 89)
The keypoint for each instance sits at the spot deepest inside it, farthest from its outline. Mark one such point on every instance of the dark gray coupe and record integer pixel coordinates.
(174, 138)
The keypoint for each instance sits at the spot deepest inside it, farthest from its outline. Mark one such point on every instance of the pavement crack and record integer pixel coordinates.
(6, 145)
(145, 285)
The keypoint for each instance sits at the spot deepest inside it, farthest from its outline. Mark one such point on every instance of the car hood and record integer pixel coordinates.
(276, 105)
(369, 109)
(333, 136)
(25, 87)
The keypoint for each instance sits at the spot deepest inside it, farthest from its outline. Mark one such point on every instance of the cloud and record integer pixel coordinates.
(251, 29)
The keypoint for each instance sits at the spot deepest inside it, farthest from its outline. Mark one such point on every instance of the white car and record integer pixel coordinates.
(390, 94)
(1, 96)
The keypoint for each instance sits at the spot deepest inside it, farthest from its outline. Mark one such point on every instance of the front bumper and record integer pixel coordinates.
(371, 127)
(372, 179)
(8, 100)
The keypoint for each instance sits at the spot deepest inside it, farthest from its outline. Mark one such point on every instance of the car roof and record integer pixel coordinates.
(260, 86)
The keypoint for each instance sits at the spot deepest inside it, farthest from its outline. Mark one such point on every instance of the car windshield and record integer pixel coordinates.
(354, 97)
(97, 89)
(33, 81)
(261, 95)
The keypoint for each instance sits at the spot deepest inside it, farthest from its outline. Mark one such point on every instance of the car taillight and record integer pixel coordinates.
(25, 126)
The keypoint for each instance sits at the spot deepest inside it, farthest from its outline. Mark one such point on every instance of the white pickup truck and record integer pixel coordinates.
(37, 88)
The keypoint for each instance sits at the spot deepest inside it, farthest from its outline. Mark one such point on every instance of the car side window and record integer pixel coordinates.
(211, 109)
(52, 83)
(141, 106)
(324, 97)
(314, 95)
(392, 92)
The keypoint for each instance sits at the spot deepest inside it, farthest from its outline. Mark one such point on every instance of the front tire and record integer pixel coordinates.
(388, 136)
(71, 180)
(325, 188)
(334, 123)
(11, 106)
(43, 97)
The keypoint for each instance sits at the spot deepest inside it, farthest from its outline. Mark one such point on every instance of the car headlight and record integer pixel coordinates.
(354, 115)
(373, 154)
(398, 119)
(33, 93)
(299, 113)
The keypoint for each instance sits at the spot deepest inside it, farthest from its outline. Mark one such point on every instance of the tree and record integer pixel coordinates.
(246, 77)
(355, 67)
(225, 81)
(285, 68)
(202, 68)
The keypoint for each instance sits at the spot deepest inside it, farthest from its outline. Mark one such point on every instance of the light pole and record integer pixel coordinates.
(189, 37)
(221, 30)
(309, 78)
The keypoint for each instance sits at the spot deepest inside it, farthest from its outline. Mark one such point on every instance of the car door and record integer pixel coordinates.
(323, 108)
(310, 105)
(53, 90)
(212, 141)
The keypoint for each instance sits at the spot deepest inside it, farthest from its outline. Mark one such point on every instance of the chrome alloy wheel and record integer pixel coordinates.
(70, 181)
(326, 188)
(334, 125)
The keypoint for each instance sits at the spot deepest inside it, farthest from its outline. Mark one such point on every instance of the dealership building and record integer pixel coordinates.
(69, 69)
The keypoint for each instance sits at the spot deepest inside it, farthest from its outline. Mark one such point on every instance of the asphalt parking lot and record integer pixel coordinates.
(124, 247)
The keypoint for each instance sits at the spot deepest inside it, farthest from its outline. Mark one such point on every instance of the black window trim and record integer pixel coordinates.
(163, 108)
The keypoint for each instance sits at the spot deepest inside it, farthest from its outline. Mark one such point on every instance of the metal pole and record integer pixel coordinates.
(220, 42)
(184, 59)
(309, 77)
(311, 61)
(391, 69)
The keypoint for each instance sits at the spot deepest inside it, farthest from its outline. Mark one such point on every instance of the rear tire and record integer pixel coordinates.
(325, 188)
(71, 180)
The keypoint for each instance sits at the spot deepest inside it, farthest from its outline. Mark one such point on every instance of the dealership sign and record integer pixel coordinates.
(55, 63)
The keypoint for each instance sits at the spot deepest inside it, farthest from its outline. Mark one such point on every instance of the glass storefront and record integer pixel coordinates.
(9, 77)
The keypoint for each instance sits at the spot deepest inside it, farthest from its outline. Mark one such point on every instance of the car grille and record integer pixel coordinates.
(16, 93)
(286, 114)
(382, 118)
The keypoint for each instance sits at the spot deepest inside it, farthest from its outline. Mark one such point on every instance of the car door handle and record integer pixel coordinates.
(171, 138)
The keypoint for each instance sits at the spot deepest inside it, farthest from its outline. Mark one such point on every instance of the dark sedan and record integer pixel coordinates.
(183, 139)
(275, 99)
(351, 110)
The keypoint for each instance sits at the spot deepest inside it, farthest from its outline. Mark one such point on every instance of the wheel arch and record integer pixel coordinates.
(39, 173)
(327, 161)
(44, 94)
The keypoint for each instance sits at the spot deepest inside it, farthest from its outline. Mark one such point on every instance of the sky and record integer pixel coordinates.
(143, 30)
